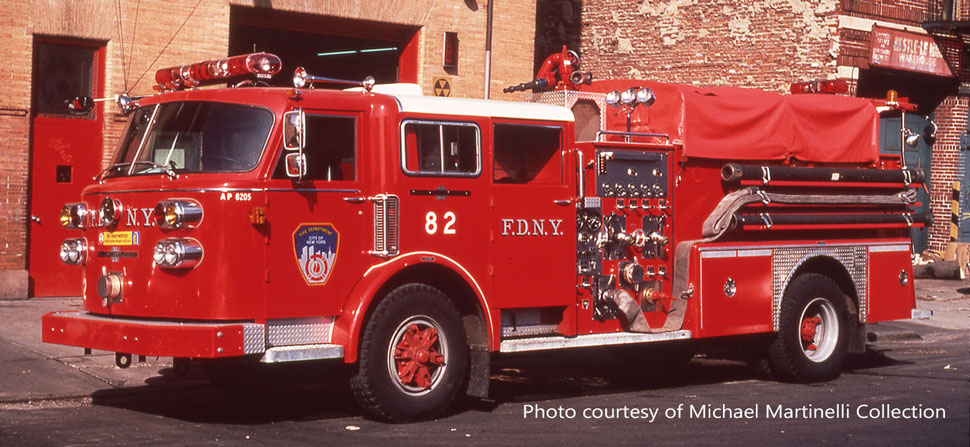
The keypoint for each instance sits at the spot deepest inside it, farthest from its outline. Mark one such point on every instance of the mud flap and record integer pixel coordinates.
(480, 371)
(857, 338)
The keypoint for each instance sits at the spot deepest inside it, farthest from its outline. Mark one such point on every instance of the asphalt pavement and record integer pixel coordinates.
(45, 379)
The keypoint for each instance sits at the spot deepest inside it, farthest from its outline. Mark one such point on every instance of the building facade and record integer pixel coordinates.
(875, 45)
(58, 49)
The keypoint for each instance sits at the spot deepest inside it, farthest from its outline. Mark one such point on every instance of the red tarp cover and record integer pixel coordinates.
(744, 124)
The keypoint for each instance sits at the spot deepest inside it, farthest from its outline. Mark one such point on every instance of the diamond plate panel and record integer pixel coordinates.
(787, 259)
(254, 338)
(529, 331)
(298, 331)
(568, 98)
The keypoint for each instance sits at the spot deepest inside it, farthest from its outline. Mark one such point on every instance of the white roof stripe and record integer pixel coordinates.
(481, 107)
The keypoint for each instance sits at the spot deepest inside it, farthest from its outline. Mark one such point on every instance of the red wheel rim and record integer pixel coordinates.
(417, 354)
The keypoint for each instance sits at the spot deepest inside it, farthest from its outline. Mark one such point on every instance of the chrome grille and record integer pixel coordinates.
(385, 225)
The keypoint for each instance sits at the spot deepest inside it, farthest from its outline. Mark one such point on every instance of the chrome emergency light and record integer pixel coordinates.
(262, 65)
(73, 216)
(177, 253)
(631, 97)
(110, 211)
(177, 213)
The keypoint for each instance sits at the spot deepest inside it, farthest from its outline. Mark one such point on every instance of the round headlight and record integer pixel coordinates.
(65, 249)
(645, 96)
(110, 211)
(628, 96)
(158, 255)
(72, 251)
(171, 256)
(613, 98)
(181, 253)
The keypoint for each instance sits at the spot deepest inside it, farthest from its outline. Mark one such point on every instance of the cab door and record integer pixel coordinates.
(443, 191)
(532, 217)
(316, 233)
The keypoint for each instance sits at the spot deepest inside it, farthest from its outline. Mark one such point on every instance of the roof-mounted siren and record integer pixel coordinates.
(303, 79)
(247, 69)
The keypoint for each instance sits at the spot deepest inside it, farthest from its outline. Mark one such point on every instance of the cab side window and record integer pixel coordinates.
(526, 153)
(331, 148)
(440, 148)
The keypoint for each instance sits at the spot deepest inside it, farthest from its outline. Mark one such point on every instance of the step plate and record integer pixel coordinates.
(584, 341)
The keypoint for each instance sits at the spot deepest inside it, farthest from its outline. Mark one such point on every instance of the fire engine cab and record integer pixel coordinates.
(415, 237)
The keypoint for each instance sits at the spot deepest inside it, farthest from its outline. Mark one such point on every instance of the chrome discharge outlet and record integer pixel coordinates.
(110, 288)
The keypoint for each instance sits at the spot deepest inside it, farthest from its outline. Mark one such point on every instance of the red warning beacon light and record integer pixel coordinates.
(262, 65)
(829, 86)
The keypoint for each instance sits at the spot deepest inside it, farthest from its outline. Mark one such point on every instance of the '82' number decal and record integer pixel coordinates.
(431, 223)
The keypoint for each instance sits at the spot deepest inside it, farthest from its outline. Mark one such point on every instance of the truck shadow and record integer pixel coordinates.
(312, 392)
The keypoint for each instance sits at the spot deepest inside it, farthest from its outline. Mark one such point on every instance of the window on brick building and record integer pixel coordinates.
(62, 73)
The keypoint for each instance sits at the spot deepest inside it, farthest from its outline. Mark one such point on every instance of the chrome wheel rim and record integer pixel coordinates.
(818, 333)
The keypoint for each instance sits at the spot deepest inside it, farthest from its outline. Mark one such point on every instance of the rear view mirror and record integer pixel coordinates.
(293, 135)
(295, 165)
(80, 105)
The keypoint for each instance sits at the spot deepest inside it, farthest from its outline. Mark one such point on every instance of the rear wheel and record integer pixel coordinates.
(811, 342)
(413, 360)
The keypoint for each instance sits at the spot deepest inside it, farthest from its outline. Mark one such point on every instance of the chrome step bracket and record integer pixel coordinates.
(303, 352)
(922, 314)
(585, 341)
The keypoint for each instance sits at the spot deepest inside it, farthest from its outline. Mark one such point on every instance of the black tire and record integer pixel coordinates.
(817, 354)
(439, 365)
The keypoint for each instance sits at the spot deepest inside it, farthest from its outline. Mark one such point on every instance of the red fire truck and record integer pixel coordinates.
(415, 237)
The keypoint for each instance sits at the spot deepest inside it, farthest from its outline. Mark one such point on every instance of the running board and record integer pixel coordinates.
(584, 341)
(302, 352)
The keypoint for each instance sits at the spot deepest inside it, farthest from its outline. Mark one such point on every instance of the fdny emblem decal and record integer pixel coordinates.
(315, 247)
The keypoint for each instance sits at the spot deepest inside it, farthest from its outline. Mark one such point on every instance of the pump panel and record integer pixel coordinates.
(630, 174)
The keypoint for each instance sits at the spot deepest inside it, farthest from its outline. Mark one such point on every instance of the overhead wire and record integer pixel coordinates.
(131, 53)
(121, 39)
(160, 53)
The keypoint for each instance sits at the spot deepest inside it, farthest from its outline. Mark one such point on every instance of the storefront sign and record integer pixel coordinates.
(903, 50)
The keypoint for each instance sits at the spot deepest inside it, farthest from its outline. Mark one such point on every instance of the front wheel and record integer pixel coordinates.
(413, 360)
(810, 345)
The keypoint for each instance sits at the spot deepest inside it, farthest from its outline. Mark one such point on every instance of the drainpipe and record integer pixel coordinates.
(488, 50)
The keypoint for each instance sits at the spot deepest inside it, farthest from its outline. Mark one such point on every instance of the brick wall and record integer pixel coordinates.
(14, 141)
(761, 43)
(910, 12)
(951, 117)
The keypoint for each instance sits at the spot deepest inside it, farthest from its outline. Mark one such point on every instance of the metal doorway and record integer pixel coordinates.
(65, 154)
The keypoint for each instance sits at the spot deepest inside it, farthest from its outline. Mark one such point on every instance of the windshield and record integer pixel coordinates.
(185, 137)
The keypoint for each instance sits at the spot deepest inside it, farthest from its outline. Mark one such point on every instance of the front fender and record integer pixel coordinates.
(348, 325)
